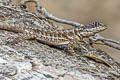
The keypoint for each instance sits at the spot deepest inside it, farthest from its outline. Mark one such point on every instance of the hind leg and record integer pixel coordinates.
(27, 34)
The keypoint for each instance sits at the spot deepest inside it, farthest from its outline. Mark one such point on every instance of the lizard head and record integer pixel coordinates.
(99, 24)
(93, 28)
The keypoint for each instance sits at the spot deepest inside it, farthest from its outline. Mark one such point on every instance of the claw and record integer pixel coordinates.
(14, 40)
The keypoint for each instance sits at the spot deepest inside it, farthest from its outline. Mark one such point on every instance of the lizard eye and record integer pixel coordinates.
(96, 23)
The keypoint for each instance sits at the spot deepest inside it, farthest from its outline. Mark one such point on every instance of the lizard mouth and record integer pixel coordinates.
(97, 29)
(105, 27)
(102, 28)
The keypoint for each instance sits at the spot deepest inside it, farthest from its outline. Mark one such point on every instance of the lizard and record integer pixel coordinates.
(56, 37)
(69, 37)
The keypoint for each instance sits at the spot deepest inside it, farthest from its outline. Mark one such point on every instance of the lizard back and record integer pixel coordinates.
(57, 37)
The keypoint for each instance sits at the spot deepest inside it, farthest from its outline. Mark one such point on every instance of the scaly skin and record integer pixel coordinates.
(57, 37)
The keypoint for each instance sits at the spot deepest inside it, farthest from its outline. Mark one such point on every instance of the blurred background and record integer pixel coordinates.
(86, 11)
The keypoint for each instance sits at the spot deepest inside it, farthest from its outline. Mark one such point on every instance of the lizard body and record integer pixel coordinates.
(56, 37)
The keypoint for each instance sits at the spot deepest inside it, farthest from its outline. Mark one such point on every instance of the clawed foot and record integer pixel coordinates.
(14, 40)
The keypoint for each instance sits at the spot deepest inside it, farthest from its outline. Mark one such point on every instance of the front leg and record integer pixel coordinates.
(93, 56)
(71, 46)
(70, 49)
